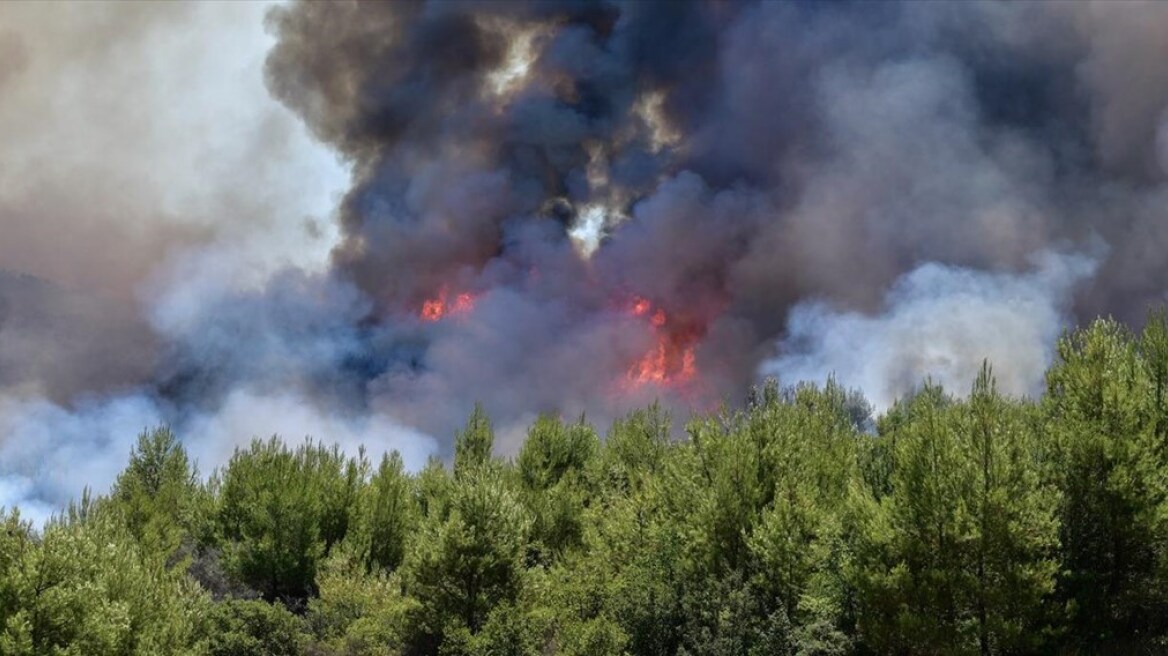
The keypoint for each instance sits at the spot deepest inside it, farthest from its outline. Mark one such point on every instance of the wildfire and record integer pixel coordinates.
(441, 305)
(671, 360)
(641, 307)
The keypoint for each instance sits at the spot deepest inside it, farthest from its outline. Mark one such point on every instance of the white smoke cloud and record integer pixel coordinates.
(52, 453)
(49, 453)
(938, 322)
(245, 414)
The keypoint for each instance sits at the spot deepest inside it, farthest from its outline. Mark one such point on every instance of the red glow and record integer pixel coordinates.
(434, 309)
(671, 360)
(641, 306)
(463, 303)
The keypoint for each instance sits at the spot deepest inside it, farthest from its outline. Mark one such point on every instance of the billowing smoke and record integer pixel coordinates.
(572, 207)
(145, 168)
(938, 323)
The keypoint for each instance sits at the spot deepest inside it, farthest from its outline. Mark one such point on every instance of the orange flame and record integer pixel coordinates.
(671, 360)
(434, 309)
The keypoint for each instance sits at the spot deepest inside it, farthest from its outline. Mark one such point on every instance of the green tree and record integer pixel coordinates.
(1014, 532)
(386, 514)
(461, 565)
(239, 627)
(553, 451)
(960, 556)
(635, 449)
(18, 550)
(1153, 351)
(158, 495)
(85, 587)
(1103, 418)
(729, 617)
(637, 568)
(809, 453)
(281, 511)
(553, 466)
(473, 444)
(360, 611)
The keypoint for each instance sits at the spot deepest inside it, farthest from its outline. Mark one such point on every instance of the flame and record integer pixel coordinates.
(463, 303)
(434, 309)
(671, 360)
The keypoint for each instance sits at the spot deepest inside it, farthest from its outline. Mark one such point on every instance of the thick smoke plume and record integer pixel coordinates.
(572, 207)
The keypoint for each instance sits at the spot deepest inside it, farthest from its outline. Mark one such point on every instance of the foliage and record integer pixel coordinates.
(86, 587)
(464, 563)
(158, 494)
(359, 612)
(280, 511)
(240, 627)
(960, 555)
(796, 525)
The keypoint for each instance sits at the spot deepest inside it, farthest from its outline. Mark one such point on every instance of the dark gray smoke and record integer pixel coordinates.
(788, 189)
(741, 158)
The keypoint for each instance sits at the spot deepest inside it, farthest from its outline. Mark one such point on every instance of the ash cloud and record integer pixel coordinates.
(789, 184)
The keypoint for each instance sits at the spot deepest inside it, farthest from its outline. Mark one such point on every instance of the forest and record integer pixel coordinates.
(957, 522)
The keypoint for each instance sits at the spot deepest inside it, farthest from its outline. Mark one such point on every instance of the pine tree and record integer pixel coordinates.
(461, 565)
(960, 555)
(387, 515)
(281, 511)
(473, 444)
(158, 495)
(1101, 412)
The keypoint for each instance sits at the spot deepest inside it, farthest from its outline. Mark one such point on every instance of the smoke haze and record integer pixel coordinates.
(937, 322)
(365, 219)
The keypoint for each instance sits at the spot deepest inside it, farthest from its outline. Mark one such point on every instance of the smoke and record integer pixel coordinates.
(144, 167)
(939, 322)
(239, 233)
(51, 453)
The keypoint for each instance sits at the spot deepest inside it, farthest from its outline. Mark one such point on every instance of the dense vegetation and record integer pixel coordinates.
(798, 525)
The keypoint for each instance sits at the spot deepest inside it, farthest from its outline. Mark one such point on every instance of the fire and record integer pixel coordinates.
(671, 360)
(441, 305)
